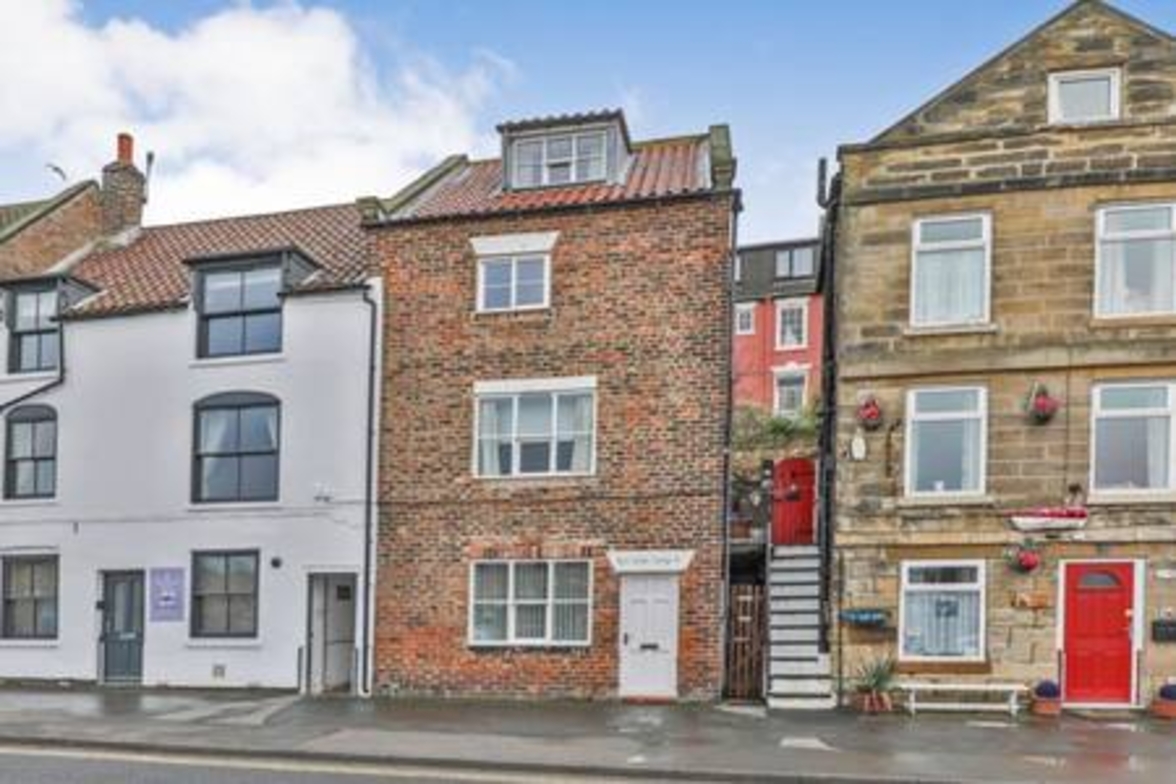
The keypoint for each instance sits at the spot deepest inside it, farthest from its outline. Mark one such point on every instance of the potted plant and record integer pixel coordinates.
(1040, 406)
(869, 413)
(874, 682)
(1164, 705)
(1025, 557)
(1047, 699)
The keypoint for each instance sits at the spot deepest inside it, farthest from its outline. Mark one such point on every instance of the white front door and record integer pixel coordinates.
(332, 632)
(649, 635)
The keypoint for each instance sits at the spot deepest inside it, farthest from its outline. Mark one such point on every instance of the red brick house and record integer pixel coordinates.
(556, 367)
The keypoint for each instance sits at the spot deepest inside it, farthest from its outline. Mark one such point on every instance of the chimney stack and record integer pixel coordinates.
(124, 190)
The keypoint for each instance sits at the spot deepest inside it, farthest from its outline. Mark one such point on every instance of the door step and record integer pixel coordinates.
(815, 702)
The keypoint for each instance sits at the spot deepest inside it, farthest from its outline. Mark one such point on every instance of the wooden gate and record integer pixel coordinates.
(745, 643)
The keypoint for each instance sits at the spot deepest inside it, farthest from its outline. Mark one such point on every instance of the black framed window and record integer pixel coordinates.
(240, 310)
(30, 466)
(236, 459)
(30, 597)
(34, 342)
(224, 593)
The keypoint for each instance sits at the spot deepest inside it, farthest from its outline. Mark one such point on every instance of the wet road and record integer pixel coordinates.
(50, 766)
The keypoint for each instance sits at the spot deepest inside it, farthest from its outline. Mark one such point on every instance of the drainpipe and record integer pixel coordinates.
(369, 518)
(728, 420)
(828, 198)
(60, 378)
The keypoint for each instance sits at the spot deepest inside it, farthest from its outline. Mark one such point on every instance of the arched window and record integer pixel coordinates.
(31, 454)
(236, 448)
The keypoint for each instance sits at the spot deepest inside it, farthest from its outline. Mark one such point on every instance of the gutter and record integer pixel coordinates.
(369, 519)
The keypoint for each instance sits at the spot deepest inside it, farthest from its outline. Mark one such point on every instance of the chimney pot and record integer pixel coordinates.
(126, 148)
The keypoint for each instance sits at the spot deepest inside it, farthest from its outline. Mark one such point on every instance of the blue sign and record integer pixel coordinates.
(166, 594)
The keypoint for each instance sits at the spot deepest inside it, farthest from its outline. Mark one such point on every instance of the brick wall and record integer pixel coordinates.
(48, 240)
(639, 301)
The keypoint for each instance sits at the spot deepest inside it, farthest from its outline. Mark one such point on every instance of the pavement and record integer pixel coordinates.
(561, 739)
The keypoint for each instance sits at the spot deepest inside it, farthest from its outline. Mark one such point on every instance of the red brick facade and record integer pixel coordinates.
(639, 300)
(758, 357)
(52, 237)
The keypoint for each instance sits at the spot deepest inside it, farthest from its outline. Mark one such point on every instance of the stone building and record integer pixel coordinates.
(553, 473)
(1006, 295)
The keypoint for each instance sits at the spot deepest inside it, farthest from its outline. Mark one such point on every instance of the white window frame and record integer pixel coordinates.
(909, 441)
(511, 602)
(743, 309)
(792, 303)
(513, 388)
(1056, 79)
(514, 260)
(1102, 236)
(1096, 413)
(918, 246)
(792, 371)
(548, 161)
(905, 585)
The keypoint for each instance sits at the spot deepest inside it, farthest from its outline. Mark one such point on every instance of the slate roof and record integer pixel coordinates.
(460, 187)
(151, 273)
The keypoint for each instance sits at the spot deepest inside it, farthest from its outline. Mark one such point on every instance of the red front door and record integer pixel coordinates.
(793, 502)
(1099, 654)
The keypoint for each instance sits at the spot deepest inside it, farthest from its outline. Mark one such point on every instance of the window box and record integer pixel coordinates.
(942, 611)
(951, 271)
(530, 603)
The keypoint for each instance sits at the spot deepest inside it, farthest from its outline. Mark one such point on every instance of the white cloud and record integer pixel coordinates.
(248, 109)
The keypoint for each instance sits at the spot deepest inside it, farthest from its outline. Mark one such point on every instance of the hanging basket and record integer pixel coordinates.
(1040, 405)
(869, 414)
(1024, 558)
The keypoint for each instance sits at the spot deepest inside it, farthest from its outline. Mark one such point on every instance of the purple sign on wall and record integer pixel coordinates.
(167, 595)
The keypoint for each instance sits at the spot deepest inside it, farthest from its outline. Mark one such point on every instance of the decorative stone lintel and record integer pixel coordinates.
(650, 561)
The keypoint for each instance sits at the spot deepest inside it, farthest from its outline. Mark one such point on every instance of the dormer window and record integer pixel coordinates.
(1084, 96)
(34, 344)
(561, 159)
(239, 303)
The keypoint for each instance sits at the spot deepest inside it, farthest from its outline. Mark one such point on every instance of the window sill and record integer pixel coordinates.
(224, 643)
(539, 479)
(25, 378)
(18, 503)
(236, 506)
(241, 359)
(947, 499)
(1132, 499)
(34, 644)
(944, 666)
(1127, 322)
(913, 331)
(521, 315)
(537, 647)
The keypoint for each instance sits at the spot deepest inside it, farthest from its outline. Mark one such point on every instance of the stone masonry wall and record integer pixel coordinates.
(639, 301)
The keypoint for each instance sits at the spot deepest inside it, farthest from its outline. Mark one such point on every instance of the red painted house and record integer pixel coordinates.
(778, 326)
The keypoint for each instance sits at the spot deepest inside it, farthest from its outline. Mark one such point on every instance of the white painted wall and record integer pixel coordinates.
(124, 448)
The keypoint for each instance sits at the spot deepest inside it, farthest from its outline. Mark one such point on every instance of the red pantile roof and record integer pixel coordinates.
(149, 273)
(656, 169)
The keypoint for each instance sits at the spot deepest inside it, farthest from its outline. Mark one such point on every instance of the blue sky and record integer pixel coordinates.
(792, 78)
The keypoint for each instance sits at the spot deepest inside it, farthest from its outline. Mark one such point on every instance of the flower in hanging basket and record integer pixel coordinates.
(1041, 405)
(869, 414)
(1024, 558)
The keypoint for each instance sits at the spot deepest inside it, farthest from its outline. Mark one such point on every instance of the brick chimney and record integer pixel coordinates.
(124, 190)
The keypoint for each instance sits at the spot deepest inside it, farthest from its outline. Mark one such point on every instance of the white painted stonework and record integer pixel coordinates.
(123, 499)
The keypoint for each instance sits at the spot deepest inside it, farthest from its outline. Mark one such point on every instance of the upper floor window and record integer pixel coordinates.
(543, 427)
(236, 455)
(951, 271)
(1085, 96)
(791, 323)
(946, 437)
(1136, 261)
(559, 159)
(796, 262)
(791, 387)
(30, 597)
(1133, 431)
(34, 342)
(745, 318)
(240, 310)
(31, 453)
(513, 283)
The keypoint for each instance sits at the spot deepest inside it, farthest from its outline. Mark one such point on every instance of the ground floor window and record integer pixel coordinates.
(30, 597)
(942, 611)
(530, 603)
(790, 393)
(224, 594)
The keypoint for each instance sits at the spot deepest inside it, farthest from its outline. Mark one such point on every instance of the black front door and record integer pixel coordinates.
(122, 627)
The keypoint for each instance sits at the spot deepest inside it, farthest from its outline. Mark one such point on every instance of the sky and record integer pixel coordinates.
(262, 106)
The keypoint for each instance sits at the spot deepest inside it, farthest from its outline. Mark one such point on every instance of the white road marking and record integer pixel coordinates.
(265, 711)
(991, 725)
(807, 743)
(277, 765)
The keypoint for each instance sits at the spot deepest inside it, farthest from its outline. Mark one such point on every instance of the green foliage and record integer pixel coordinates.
(877, 676)
(755, 429)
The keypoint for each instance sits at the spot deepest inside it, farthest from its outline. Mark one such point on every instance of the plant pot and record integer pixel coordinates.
(873, 702)
(741, 530)
(1163, 709)
(1042, 706)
